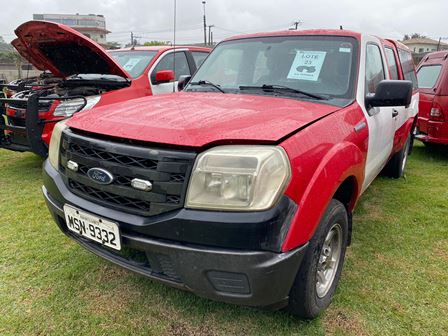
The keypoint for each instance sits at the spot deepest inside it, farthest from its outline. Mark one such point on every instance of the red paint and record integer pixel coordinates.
(322, 157)
(33, 34)
(434, 129)
(199, 119)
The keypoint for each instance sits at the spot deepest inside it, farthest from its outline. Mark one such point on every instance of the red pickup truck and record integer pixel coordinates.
(86, 76)
(432, 74)
(241, 188)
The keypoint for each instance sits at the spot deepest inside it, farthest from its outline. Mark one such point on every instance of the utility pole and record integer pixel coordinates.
(210, 34)
(296, 24)
(205, 24)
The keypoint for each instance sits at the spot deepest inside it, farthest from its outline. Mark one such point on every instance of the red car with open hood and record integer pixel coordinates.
(89, 76)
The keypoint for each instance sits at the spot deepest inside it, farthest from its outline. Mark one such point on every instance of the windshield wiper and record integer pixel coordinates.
(275, 87)
(208, 83)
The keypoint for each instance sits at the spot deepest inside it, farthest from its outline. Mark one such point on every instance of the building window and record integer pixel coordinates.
(420, 50)
(101, 36)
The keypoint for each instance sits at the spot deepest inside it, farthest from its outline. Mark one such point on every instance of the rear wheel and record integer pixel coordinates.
(319, 273)
(397, 164)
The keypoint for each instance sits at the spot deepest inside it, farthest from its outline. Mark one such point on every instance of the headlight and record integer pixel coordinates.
(68, 107)
(55, 143)
(240, 178)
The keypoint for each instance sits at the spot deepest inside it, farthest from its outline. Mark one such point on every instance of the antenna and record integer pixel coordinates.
(174, 47)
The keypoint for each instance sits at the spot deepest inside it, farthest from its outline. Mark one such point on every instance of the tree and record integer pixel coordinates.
(112, 45)
(413, 36)
(155, 43)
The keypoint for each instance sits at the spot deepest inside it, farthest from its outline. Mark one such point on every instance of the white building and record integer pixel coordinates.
(424, 45)
(91, 25)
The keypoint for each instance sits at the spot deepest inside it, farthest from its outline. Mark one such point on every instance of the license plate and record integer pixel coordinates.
(93, 227)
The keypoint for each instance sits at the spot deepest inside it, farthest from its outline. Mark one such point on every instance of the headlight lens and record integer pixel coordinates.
(240, 178)
(55, 143)
(68, 107)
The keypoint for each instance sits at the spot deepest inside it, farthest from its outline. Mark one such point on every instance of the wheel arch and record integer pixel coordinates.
(339, 175)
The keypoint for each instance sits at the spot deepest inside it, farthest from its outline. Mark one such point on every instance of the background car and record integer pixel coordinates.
(88, 76)
(432, 73)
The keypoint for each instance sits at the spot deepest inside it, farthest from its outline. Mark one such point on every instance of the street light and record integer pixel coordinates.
(205, 25)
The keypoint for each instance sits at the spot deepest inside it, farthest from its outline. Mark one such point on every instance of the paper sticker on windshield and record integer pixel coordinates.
(307, 65)
(131, 63)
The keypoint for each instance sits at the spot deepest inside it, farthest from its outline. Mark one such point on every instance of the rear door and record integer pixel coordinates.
(429, 77)
(408, 69)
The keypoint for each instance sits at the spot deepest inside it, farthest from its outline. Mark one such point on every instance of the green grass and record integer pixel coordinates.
(395, 280)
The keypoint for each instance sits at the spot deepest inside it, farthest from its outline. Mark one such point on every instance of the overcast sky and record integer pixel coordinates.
(153, 19)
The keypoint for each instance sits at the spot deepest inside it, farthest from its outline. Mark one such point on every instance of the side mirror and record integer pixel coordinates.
(164, 76)
(391, 93)
(183, 81)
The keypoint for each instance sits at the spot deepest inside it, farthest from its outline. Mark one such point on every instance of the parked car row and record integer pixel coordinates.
(84, 76)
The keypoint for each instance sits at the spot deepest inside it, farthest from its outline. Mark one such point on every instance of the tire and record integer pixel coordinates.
(309, 295)
(397, 165)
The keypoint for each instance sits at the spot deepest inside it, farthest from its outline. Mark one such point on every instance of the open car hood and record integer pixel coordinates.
(63, 51)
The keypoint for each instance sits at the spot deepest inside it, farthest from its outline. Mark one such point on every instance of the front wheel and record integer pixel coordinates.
(319, 273)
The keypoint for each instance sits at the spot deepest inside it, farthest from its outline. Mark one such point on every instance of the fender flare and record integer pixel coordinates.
(342, 161)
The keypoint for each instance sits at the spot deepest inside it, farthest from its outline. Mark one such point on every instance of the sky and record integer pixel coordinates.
(153, 19)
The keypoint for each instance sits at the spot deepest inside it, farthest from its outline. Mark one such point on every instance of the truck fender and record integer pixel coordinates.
(343, 161)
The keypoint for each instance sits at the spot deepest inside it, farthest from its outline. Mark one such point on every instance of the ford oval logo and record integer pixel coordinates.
(100, 176)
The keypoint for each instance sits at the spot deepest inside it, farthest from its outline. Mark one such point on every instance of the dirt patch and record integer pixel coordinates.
(440, 249)
(337, 320)
(184, 329)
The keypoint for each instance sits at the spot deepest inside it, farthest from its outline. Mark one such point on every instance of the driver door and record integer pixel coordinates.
(379, 119)
(167, 63)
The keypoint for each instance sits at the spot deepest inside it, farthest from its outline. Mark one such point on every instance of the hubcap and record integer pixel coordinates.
(329, 260)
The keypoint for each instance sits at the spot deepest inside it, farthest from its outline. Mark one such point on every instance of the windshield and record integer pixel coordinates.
(320, 65)
(133, 61)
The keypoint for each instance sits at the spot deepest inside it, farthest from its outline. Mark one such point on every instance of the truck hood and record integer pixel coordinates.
(200, 119)
(63, 51)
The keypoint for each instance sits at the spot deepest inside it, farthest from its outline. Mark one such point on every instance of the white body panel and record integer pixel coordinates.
(164, 87)
(379, 120)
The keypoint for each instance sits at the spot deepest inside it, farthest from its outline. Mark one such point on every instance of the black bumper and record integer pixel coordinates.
(204, 266)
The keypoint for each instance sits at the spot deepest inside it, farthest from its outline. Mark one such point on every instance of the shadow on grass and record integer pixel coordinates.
(432, 151)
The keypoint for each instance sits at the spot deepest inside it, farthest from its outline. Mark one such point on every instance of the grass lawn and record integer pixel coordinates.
(395, 280)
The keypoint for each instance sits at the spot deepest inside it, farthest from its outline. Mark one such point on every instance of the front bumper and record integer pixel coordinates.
(217, 268)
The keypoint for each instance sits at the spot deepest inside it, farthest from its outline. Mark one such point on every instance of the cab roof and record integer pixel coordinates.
(329, 32)
(161, 48)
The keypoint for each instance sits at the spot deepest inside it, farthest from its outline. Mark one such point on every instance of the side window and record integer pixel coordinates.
(199, 57)
(374, 68)
(166, 63)
(428, 76)
(392, 63)
(407, 64)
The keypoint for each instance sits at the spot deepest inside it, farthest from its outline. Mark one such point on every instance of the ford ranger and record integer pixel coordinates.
(241, 187)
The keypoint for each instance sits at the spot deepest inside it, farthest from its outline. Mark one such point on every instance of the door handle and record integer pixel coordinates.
(394, 113)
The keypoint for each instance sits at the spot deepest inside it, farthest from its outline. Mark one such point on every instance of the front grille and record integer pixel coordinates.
(167, 170)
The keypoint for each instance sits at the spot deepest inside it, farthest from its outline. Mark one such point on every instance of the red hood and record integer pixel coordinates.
(198, 119)
(63, 50)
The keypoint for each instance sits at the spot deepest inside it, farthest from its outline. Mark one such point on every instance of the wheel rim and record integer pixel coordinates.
(329, 259)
